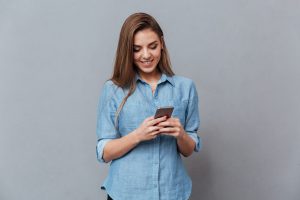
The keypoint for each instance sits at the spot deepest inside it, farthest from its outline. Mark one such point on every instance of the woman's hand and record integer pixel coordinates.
(118, 147)
(149, 129)
(173, 127)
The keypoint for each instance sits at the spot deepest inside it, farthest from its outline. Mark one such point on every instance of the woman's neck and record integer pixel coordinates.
(151, 78)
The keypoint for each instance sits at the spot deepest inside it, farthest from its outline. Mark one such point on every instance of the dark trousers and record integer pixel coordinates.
(109, 198)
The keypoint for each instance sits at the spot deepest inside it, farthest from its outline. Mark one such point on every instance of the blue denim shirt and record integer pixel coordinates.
(153, 170)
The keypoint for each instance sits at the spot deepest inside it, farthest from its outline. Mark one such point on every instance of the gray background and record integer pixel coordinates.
(243, 56)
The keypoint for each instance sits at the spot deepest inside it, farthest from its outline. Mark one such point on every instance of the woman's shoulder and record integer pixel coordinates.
(110, 85)
(182, 80)
(109, 88)
(185, 86)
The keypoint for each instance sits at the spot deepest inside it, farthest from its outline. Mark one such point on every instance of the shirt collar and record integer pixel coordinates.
(162, 79)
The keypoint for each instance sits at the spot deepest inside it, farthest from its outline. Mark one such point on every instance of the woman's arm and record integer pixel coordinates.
(116, 148)
(119, 147)
(173, 127)
(186, 144)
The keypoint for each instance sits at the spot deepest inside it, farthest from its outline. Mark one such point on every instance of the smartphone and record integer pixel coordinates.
(164, 111)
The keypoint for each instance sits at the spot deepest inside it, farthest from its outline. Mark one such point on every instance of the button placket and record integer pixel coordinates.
(156, 166)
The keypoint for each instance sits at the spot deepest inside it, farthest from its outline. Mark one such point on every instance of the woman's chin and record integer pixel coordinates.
(147, 70)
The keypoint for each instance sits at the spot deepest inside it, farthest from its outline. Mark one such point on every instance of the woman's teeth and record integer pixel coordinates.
(146, 62)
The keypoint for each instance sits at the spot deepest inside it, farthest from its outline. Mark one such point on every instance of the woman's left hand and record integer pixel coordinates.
(172, 127)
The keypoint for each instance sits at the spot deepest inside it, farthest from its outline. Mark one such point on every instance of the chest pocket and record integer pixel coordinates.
(180, 108)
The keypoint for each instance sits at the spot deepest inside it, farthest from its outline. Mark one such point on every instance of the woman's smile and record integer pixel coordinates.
(147, 63)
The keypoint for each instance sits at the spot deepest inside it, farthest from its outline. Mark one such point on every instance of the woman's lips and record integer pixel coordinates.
(147, 63)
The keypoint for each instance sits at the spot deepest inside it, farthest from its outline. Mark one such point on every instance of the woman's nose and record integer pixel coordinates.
(146, 54)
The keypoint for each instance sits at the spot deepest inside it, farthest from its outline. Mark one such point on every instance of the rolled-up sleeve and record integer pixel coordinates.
(99, 149)
(106, 129)
(192, 117)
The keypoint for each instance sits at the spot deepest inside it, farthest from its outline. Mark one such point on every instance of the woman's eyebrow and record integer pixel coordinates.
(135, 45)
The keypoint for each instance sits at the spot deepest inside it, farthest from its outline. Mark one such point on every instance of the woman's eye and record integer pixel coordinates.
(153, 47)
(138, 49)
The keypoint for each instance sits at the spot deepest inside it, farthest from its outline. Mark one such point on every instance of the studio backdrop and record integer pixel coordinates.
(244, 57)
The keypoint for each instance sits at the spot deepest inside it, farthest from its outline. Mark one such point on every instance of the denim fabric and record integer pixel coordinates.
(153, 170)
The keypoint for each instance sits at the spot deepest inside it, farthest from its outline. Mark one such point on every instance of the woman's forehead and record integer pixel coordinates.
(145, 37)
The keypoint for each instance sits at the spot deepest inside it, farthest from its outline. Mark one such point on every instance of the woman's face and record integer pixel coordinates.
(147, 48)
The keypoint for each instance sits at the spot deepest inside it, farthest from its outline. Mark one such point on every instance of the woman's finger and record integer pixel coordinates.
(167, 130)
(157, 120)
(167, 123)
(155, 132)
(164, 124)
(149, 118)
(154, 128)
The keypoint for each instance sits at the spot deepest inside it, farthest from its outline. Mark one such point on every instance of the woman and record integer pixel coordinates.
(145, 152)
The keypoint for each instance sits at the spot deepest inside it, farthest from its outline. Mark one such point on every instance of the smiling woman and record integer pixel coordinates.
(145, 152)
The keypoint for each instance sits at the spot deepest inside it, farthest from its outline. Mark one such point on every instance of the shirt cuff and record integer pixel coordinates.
(197, 141)
(100, 148)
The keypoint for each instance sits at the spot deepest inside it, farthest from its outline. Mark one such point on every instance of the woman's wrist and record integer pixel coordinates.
(181, 136)
(135, 136)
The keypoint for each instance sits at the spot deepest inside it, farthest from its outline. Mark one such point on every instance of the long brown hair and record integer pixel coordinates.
(124, 69)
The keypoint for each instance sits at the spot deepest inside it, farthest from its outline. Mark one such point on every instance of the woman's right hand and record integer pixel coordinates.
(149, 130)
